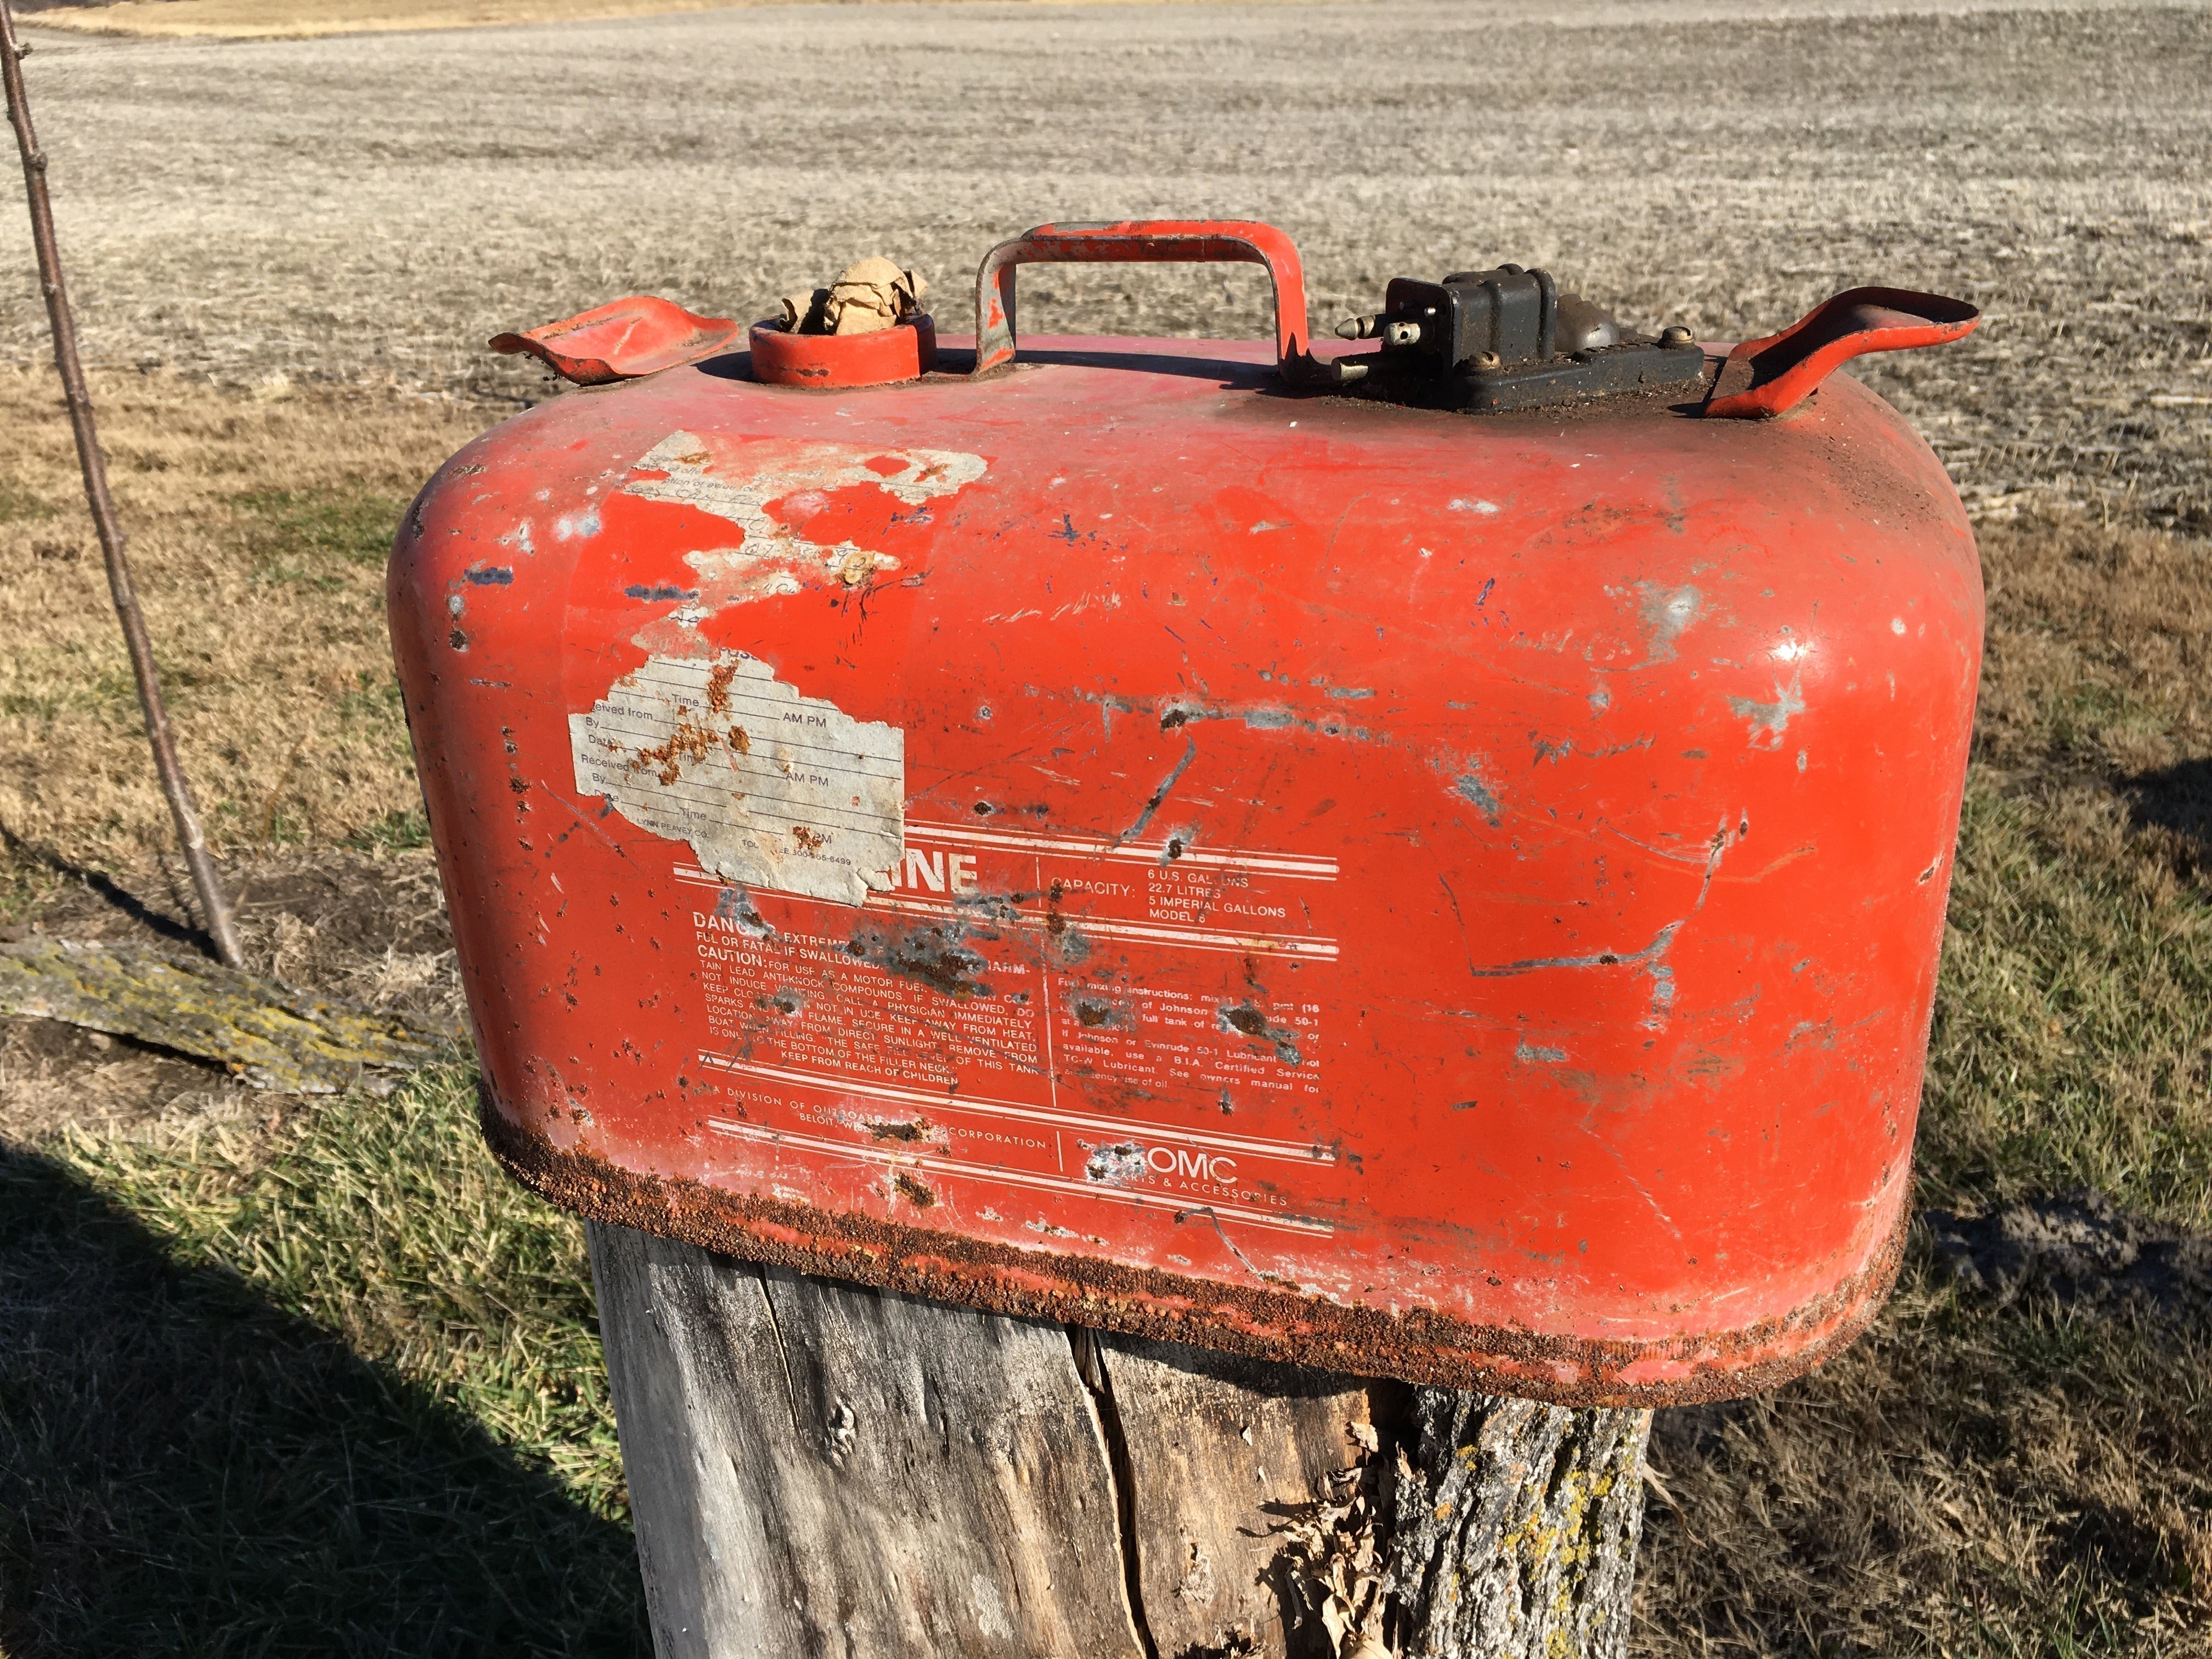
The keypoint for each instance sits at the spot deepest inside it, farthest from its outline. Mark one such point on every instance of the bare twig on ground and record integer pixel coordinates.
(214, 907)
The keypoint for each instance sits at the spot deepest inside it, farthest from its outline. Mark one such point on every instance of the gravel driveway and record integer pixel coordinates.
(369, 208)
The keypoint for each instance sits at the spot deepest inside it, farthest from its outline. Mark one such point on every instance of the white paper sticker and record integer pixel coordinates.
(770, 788)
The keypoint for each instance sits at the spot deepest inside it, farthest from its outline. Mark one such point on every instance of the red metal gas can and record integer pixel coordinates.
(1428, 862)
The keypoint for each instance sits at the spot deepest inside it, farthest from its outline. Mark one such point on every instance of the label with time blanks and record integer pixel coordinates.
(1052, 1012)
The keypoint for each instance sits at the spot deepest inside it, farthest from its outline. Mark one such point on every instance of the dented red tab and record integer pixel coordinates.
(622, 340)
(1771, 376)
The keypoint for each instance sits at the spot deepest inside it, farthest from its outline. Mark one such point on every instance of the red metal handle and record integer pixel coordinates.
(1786, 366)
(1150, 240)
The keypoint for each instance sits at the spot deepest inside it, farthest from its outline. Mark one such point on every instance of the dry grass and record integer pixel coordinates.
(1963, 1481)
(258, 528)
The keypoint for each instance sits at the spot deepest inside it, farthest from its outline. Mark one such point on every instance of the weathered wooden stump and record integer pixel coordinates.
(819, 1468)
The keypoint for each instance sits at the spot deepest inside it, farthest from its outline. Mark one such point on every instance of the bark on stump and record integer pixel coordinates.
(822, 1468)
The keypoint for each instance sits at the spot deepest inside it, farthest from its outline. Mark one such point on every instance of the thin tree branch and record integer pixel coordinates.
(213, 905)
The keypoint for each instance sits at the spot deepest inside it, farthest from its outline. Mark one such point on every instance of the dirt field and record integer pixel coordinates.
(287, 19)
(300, 20)
(256, 1393)
(369, 211)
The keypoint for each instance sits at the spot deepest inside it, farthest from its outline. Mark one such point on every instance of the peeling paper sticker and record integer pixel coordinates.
(770, 788)
(775, 558)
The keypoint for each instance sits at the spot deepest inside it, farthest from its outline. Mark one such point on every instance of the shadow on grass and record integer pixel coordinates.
(165, 928)
(187, 1469)
(2176, 799)
(1996, 1467)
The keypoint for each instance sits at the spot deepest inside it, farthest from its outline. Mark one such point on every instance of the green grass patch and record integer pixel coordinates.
(400, 832)
(2073, 1038)
(374, 707)
(186, 681)
(18, 504)
(318, 539)
(27, 882)
(374, 701)
(340, 1395)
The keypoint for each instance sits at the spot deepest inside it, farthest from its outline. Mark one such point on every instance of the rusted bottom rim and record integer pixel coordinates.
(1418, 1347)
(905, 351)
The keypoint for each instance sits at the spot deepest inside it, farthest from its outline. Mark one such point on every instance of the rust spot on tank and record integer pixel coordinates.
(1248, 1021)
(718, 688)
(910, 1129)
(1066, 942)
(916, 1194)
(689, 741)
(936, 954)
(733, 909)
(812, 840)
(740, 741)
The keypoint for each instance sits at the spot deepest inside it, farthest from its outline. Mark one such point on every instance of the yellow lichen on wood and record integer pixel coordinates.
(271, 1037)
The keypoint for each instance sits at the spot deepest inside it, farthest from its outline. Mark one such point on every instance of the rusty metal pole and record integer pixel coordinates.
(213, 905)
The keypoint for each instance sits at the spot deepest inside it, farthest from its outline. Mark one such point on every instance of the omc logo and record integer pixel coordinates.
(1132, 1161)
(1191, 1165)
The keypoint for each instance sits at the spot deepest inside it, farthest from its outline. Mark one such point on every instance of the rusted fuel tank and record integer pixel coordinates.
(1427, 862)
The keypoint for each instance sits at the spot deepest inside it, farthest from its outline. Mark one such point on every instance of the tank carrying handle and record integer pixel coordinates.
(1150, 241)
(1767, 377)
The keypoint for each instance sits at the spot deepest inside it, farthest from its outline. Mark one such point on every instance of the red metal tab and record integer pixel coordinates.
(622, 340)
(1784, 367)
